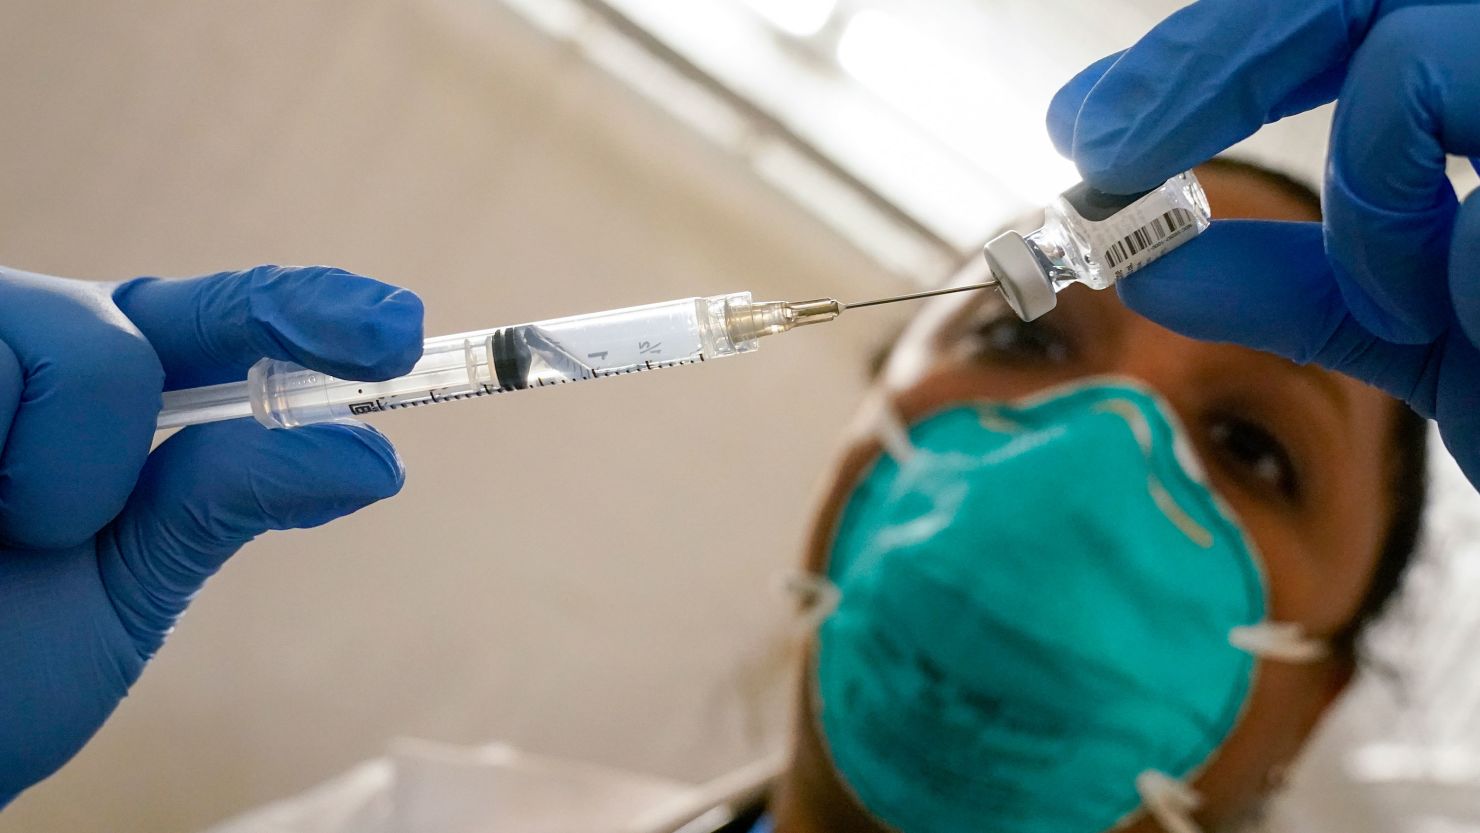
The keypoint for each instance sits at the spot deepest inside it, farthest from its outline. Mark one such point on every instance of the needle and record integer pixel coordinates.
(948, 290)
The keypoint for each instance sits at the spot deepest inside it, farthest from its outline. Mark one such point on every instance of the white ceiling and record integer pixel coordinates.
(914, 142)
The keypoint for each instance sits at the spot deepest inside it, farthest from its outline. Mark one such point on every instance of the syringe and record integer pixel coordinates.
(1088, 237)
(542, 354)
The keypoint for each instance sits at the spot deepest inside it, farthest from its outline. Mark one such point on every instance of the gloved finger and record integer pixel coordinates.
(208, 490)
(1207, 77)
(1459, 410)
(12, 380)
(1267, 285)
(1063, 110)
(1464, 267)
(212, 329)
(1390, 207)
(86, 412)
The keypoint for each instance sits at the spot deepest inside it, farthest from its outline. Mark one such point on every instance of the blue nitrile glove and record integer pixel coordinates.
(102, 543)
(1399, 260)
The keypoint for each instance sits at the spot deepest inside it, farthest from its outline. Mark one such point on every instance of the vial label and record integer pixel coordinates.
(1125, 233)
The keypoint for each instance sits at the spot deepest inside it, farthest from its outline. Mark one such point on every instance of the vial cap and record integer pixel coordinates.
(1021, 278)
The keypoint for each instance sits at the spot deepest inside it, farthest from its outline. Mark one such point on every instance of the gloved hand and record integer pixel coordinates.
(102, 543)
(1391, 292)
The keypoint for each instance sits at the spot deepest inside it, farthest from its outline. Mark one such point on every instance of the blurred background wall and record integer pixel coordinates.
(584, 571)
(579, 571)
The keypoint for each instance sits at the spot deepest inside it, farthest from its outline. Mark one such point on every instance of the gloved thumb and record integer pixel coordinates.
(1261, 284)
(210, 489)
(1268, 285)
(1464, 267)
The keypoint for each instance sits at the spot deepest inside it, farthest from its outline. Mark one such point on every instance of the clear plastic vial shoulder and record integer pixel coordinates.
(1096, 239)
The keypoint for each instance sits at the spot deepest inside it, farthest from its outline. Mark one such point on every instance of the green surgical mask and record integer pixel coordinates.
(1047, 620)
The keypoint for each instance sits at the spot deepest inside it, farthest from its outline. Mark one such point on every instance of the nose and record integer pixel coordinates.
(1175, 367)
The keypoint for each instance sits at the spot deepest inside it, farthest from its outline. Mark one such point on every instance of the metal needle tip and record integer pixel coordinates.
(915, 295)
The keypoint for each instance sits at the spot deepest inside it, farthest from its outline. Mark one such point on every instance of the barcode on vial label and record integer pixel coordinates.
(1143, 238)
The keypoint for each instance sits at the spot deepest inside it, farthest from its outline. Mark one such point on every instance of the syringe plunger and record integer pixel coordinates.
(542, 354)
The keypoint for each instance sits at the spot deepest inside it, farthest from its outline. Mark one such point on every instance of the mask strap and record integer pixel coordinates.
(1280, 641)
(891, 432)
(816, 597)
(1169, 801)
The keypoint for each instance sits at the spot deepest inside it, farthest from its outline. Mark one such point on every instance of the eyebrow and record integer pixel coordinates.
(1327, 382)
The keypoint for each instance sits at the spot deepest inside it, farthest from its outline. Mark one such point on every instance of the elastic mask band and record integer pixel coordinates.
(992, 419)
(1169, 801)
(816, 596)
(1195, 532)
(1281, 641)
(891, 431)
(1135, 420)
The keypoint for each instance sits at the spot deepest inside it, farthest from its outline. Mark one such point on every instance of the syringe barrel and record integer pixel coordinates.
(616, 342)
(287, 395)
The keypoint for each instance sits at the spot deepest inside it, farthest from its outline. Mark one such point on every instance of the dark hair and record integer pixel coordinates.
(1407, 483)
(1407, 467)
(1276, 180)
(1408, 439)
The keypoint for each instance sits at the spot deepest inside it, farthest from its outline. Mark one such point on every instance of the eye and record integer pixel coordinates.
(1006, 338)
(1254, 454)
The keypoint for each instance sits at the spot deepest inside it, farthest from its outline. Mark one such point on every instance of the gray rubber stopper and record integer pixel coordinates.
(1022, 279)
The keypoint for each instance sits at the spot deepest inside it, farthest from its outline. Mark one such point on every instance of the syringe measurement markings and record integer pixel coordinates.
(430, 399)
(433, 395)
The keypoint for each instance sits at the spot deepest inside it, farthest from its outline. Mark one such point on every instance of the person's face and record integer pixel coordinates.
(1298, 453)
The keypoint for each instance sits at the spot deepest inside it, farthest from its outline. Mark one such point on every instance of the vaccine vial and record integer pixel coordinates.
(1096, 239)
